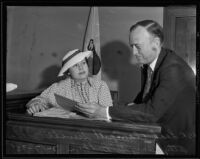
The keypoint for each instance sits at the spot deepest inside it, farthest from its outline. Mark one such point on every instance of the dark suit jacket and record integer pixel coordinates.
(171, 99)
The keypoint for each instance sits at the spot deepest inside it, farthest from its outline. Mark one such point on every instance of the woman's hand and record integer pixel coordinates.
(92, 110)
(35, 106)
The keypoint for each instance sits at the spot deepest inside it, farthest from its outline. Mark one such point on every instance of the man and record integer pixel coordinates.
(167, 95)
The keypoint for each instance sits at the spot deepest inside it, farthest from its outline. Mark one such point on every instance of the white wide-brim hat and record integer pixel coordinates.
(73, 57)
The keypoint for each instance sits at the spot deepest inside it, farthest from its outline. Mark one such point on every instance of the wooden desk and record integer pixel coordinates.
(26, 134)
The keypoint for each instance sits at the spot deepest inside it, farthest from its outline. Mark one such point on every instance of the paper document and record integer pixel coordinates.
(60, 113)
(65, 103)
(54, 112)
(69, 105)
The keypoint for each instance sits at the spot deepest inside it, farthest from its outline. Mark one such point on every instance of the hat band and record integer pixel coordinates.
(70, 57)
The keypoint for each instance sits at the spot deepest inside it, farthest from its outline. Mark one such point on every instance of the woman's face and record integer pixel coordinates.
(79, 72)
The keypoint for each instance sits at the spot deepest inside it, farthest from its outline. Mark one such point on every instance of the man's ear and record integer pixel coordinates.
(155, 44)
(156, 41)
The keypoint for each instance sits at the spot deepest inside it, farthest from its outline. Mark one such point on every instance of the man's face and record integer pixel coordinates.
(143, 45)
(79, 71)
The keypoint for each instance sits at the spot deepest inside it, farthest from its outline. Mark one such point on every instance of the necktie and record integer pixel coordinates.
(148, 82)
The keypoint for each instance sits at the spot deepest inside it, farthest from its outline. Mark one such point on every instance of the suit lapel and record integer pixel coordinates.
(161, 57)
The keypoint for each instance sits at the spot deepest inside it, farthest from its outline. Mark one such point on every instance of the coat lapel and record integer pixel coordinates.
(154, 81)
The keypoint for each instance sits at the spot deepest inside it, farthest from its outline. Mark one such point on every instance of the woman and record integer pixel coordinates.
(78, 86)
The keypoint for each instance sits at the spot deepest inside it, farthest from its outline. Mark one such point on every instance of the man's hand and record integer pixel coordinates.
(92, 110)
(35, 106)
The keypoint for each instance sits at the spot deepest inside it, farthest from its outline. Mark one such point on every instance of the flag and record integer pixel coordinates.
(91, 41)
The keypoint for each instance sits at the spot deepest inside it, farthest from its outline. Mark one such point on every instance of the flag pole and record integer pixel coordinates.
(91, 41)
(86, 30)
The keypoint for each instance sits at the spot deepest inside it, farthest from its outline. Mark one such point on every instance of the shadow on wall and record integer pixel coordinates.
(50, 76)
(116, 57)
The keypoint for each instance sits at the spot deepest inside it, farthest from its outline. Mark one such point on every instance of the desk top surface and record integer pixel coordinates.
(87, 123)
(84, 123)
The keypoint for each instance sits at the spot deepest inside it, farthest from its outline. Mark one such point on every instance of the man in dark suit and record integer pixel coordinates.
(168, 89)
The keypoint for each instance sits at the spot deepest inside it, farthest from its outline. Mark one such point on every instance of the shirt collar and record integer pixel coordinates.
(73, 83)
(153, 64)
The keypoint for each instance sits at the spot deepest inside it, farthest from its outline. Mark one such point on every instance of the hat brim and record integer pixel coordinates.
(76, 59)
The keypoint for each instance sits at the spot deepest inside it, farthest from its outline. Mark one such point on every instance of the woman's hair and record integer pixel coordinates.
(152, 27)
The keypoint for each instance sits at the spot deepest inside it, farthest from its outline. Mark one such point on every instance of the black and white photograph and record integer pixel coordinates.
(99, 79)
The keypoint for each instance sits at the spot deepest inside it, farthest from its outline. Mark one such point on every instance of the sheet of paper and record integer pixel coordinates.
(60, 113)
(54, 112)
(159, 150)
(65, 103)
(67, 110)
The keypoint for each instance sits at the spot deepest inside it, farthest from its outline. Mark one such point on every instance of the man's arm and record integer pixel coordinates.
(169, 87)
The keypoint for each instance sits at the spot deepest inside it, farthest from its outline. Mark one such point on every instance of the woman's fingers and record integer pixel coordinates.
(86, 109)
(43, 107)
(29, 111)
(34, 107)
(29, 104)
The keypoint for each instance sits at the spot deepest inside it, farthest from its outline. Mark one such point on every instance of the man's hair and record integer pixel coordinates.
(152, 27)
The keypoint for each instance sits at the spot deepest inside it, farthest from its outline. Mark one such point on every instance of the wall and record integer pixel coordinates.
(38, 38)
(116, 53)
